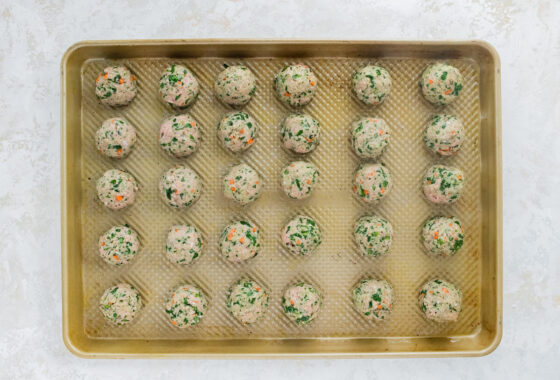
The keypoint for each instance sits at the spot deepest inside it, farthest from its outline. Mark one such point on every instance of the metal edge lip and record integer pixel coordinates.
(499, 214)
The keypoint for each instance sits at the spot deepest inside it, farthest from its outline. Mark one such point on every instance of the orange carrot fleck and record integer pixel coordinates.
(233, 188)
(447, 92)
(179, 83)
(119, 152)
(298, 242)
(230, 236)
(436, 235)
(459, 177)
(355, 188)
(287, 94)
(308, 181)
(379, 307)
(431, 81)
(366, 192)
(292, 302)
(445, 290)
(242, 130)
(254, 229)
(121, 81)
(119, 197)
(106, 75)
(116, 257)
(103, 244)
(380, 132)
(242, 240)
(132, 77)
(193, 124)
(174, 322)
(250, 141)
(382, 190)
(231, 181)
(312, 83)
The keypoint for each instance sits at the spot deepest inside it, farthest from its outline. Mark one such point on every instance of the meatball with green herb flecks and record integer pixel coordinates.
(301, 303)
(120, 304)
(371, 84)
(442, 236)
(441, 83)
(115, 138)
(373, 235)
(237, 131)
(443, 184)
(299, 179)
(240, 241)
(184, 244)
(118, 245)
(372, 182)
(116, 189)
(179, 135)
(242, 184)
(444, 135)
(440, 301)
(178, 86)
(295, 85)
(370, 137)
(373, 298)
(180, 187)
(185, 306)
(235, 85)
(300, 133)
(115, 86)
(302, 235)
(247, 301)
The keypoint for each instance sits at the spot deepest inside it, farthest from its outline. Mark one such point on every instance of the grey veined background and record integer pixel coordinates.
(35, 34)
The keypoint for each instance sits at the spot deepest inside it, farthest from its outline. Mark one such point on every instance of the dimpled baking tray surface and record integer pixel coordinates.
(336, 266)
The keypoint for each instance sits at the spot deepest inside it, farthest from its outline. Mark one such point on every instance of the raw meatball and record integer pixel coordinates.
(115, 138)
(179, 135)
(116, 189)
(118, 245)
(235, 85)
(299, 178)
(441, 83)
(184, 244)
(444, 135)
(300, 133)
(186, 306)
(371, 84)
(442, 236)
(373, 235)
(301, 303)
(295, 85)
(373, 298)
(240, 241)
(370, 137)
(301, 236)
(178, 86)
(180, 187)
(440, 301)
(242, 184)
(247, 301)
(120, 303)
(115, 86)
(372, 182)
(443, 184)
(237, 131)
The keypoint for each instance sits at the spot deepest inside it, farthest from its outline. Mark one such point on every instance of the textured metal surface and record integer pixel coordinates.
(336, 266)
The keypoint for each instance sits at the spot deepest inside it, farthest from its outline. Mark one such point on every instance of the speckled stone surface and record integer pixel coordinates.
(35, 34)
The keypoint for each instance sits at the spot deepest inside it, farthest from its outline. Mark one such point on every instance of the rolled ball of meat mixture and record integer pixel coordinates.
(115, 86)
(178, 86)
(295, 85)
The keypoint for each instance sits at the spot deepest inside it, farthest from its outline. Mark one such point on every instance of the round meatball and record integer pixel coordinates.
(247, 301)
(373, 235)
(180, 187)
(115, 86)
(301, 236)
(243, 184)
(237, 131)
(295, 85)
(443, 184)
(442, 236)
(120, 303)
(116, 188)
(118, 245)
(178, 86)
(186, 306)
(373, 298)
(299, 179)
(184, 244)
(372, 182)
(440, 301)
(301, 303)
(441, 84)
(300, 133)
(115, 138)
(235, 85)
(179, 135)
(240, 241)
(370, 137)
(371, 84)
(444, 135)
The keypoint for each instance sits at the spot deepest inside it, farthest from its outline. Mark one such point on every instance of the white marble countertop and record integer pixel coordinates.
(35, 34)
